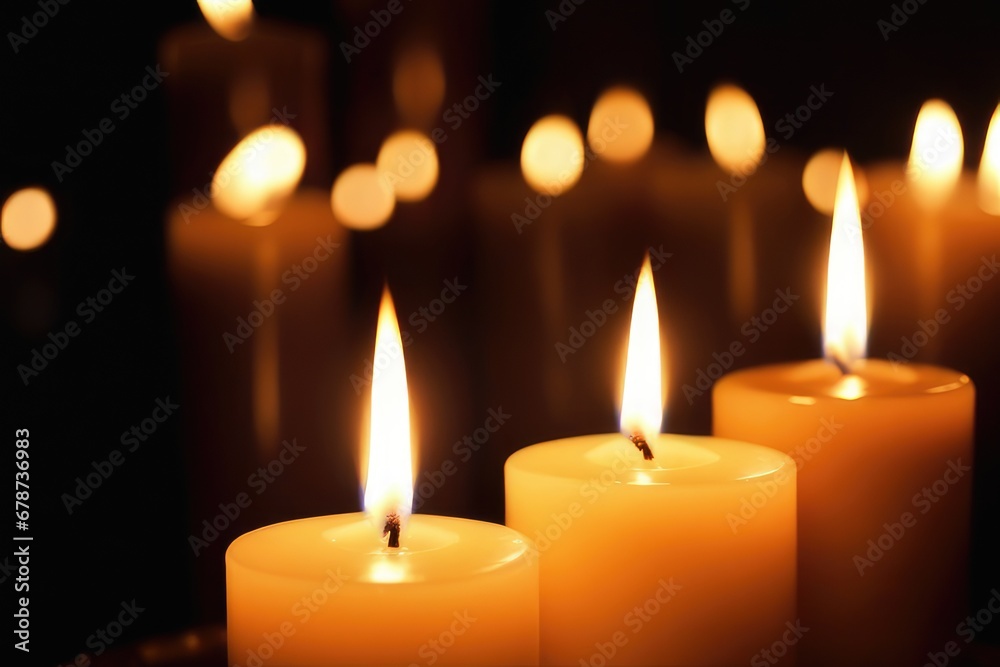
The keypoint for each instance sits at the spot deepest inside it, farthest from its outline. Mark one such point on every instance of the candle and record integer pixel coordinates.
(640, 560)
(234, 72)
(259, 275)
(884, 453)
(380, 587)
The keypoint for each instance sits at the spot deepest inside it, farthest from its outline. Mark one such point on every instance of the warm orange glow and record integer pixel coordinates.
(418, 85)
(845, 329)
(552, 155)
(28, 219)
(259, 174)
(935, 155)
(361, 199)
(230, 18)
(621, 125)
(819, 180)
(408, 164)
(642, 396)
(389, 485)
(989, 168)
(734, 129)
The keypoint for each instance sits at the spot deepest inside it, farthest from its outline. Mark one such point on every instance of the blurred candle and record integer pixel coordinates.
(624, 110)
(28, 219)
(641, 561)
(330, 591)
(736, 139)
(884, 454)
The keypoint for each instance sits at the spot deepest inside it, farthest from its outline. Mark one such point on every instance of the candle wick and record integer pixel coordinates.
(641, 444)
(391, 529)
(841, 365)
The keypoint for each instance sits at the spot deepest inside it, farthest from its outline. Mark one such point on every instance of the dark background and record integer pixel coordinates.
(130, 539)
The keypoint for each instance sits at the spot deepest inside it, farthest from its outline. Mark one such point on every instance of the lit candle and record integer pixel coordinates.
(884, 455)
(382, 587)
(641, 562)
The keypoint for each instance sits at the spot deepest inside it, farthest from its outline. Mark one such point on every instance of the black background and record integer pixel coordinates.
(129, 540)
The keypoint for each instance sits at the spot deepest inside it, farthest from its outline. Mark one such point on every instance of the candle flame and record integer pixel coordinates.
(621, 125)
(389, 485)
(408, 163)
(418, 85)
(989, 168)
(734, 129)
(845, 330)
(28, 219)
(642, 396)
(361, 198)
(936, 154)
(253, 182)
(552, 155)
(231, 19)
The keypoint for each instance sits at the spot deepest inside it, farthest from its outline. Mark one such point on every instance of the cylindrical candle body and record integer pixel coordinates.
(324, 591)
(642, 562)
(884, 492)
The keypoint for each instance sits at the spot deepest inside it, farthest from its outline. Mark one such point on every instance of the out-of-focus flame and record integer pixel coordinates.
(989, 168)
(734, 129)
(389, 484)
(621, 125)
(642, 395)
(845, 327)
(408, 164)
(259, 174)
(936, 154)
(418, 85)
(552, 155)
(230, 18)
(819, 180)
(361, 199)
(28, 219)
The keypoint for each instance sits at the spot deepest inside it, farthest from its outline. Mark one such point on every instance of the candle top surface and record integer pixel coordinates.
(869, 379)
(433, 549)
(678, 460)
